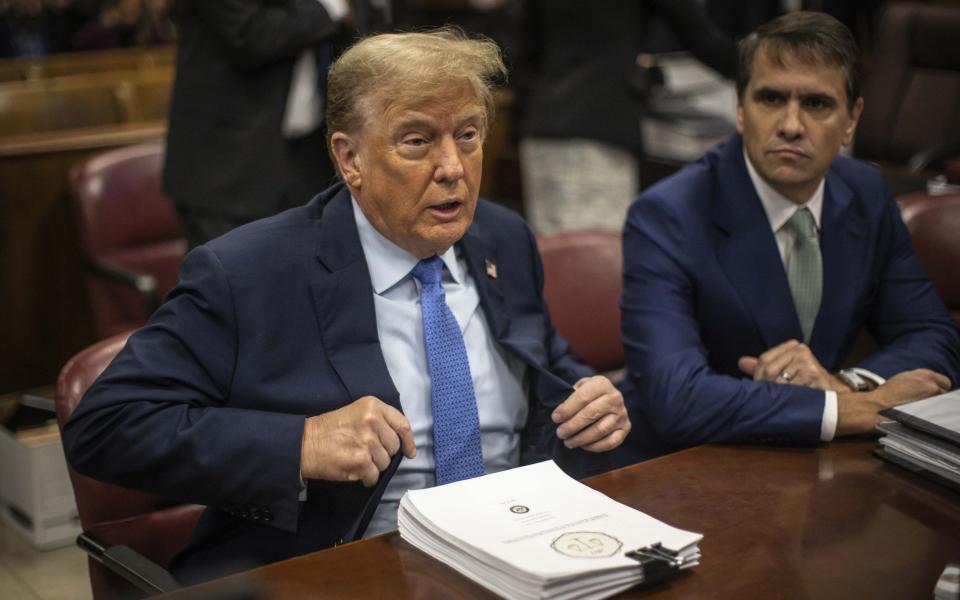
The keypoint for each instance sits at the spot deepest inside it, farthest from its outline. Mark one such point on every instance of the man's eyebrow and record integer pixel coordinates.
(770, 90)
(824, 96)
(803, 95)
(410, 121)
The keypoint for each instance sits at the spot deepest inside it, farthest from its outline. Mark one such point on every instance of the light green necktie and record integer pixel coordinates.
(805, 269)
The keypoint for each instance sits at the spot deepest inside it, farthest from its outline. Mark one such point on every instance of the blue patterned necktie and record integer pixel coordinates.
(456, 425)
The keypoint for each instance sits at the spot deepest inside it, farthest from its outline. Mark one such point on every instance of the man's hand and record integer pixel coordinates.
(593, 417)
(791, 362)
(354, 443)
(857, 412)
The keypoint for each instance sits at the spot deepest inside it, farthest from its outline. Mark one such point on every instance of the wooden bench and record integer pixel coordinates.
(76, 101)
(78, 63)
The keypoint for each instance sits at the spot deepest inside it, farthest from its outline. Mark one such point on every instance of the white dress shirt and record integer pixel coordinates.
(779, 209)
(304, 111)
(499, 379)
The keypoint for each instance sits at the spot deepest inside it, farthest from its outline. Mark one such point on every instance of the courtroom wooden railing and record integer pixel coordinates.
(61, 111)
(77, 63)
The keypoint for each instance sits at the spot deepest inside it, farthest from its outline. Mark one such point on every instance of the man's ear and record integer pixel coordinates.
(345, 152)
(854, 119)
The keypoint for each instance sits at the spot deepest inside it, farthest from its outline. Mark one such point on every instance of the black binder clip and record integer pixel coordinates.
(657, 562)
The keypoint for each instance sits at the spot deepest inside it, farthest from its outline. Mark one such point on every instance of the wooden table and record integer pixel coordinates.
(827, 522)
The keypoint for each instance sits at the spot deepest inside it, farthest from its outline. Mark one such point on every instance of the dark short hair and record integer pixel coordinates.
(808, 37)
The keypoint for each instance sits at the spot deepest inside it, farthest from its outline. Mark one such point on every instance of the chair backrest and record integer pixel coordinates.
(582, 285)
(934, 224)
(124, 218)
(912, 93)
(153, 526)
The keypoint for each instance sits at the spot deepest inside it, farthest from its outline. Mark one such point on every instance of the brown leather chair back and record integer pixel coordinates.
(934, 224)
(153, 526)
(124, 219)
(582, 284)
(912, 92)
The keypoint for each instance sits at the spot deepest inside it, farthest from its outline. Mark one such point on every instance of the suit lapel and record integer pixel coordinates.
(480, 255)
(343, 300)
(748, 254)
(842, 226)
(479, 251)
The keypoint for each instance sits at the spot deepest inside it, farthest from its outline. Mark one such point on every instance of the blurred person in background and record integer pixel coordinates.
(126, 23)
(580, 126)
(245, 138)
(30, 28)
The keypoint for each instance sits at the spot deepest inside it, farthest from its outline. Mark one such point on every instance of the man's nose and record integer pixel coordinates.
(449, 162)
(791, 124)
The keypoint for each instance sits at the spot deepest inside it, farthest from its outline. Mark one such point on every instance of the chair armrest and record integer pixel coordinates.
(931, 154)
(144, 283)
(142, 572)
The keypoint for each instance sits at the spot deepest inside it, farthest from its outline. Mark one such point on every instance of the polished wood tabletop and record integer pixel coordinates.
(832, 521)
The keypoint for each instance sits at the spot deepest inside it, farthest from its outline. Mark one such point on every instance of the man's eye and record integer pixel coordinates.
(469, 135)
(815, 103)
(770, 98)
(415, 141)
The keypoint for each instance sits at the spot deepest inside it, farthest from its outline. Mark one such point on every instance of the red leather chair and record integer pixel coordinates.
(130, 235)
(934, 224)
(121, 527)
(911, 115)
(582, 284)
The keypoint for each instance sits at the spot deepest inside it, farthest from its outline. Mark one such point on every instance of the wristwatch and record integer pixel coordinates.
(855, 381)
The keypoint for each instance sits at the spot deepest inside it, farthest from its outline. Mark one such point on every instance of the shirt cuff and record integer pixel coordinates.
(828, 425)
(870, 375)
(303, 490)
(337, 9)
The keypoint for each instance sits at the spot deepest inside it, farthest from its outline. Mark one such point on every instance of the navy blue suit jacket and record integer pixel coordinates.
(704, 285)
(272, 323)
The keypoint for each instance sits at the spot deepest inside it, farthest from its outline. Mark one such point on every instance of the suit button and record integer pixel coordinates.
(259, 513)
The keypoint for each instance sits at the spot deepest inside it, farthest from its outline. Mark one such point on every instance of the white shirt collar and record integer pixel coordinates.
(778, 207)
(387, 262)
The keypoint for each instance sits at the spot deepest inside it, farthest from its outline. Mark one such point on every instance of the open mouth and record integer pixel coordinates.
(447, 209)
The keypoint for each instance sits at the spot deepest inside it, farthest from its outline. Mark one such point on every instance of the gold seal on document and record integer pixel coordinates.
(519, 509)
(587, 544)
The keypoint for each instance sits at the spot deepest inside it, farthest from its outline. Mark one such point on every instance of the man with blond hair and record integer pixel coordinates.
(390, 335)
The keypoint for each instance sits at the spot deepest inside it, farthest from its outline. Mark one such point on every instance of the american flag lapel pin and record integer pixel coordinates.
(491, 268)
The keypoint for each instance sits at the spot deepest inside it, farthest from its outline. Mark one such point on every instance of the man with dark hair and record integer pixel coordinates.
(311, 367)
(750, 273)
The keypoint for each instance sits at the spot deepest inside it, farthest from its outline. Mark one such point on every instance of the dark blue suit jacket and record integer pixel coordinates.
(704, 285)
(272, 323)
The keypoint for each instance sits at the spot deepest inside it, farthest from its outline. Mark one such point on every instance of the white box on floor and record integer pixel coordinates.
(36, 497)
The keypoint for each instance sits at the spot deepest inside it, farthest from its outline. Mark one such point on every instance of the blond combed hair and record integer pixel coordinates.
(408, 69)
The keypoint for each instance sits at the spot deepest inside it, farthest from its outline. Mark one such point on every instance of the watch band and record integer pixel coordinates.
(854, 380)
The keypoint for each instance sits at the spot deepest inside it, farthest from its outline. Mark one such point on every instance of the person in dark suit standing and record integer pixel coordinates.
(581, 143)
(750, 273)
(245, 137)
(390, 335)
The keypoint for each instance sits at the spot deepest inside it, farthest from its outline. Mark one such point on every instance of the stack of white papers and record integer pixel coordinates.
(534, 532)
(926, 437)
